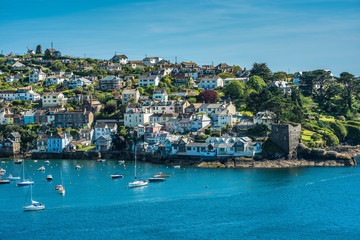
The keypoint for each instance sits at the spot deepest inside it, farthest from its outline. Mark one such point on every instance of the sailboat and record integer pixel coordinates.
(61, 189)
(35, 206)
(4, 181)
(24, 182)
(137, 182)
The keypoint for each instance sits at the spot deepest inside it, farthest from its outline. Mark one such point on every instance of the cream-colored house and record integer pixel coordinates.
(53, 99)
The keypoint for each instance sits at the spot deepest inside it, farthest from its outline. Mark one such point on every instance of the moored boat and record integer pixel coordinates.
(157, 179)
(35, 206)
(49, 177)
(161, 175)
(177, 166)
(2, 171)
(47, 161)
(11, 178)
(138, 182)
(42, 169)
(115, 176)
(77, 167)
(121, 161)
(24, 182)
(4, 181)
(18, 161)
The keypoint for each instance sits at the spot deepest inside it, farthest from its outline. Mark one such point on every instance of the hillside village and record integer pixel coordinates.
(53, 103)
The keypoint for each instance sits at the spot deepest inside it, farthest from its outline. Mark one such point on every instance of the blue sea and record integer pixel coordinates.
(294, 203)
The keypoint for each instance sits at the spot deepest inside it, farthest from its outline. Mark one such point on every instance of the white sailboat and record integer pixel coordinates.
(137, 182)
(61, 189)
(24, 181)
(35, 206)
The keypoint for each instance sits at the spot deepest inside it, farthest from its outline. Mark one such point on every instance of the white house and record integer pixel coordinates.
(212, 109)
(36, 75)
(14, 78)
(123, 59)
(199, 121)
(53, 99)
(103, 129)
(18, 66)
(265, 117)
(147, 80)
(224, 118)
(77, 82)
(150, 61)
(132, 119)
(25, 93)
(284, 86)
(52, 80)
(211, 82)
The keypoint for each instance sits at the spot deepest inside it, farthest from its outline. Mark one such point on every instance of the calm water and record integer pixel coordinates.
(306, 203)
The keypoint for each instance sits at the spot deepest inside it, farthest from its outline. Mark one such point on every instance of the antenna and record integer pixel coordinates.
(145, 55)
(52, 44)
(175, 59)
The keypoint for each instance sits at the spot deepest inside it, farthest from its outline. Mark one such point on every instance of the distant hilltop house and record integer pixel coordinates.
(30, 51)
(160, 94)
(52, 52)
(147, 80)
(265, 117)
(76, 82)
(123, 59)
(150, 61)
(284, 86)
(211, 82)
(128, 94)
(135, 64)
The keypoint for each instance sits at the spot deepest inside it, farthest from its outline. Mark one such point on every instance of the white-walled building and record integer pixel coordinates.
(211, 82)
(127, 94)
(132, 119)
(36, 76)
(147, 80)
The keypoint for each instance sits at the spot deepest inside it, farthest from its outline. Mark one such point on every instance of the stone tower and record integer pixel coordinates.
(38, 49)
(286, 136)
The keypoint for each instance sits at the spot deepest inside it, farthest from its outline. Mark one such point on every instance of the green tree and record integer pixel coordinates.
(235, 89)
(351, 87)
(261, 70)
(256, 83)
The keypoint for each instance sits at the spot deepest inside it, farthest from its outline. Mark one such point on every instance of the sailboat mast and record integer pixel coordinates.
(31, 193)
(61, 176)
(135, 160)
(23, 169)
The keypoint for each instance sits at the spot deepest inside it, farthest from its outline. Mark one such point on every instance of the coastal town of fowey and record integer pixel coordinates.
(53, 106)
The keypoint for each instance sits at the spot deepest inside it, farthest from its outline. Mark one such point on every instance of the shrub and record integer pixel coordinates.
(353, 132)
(339, 129)
(341, 118)
(330, 138)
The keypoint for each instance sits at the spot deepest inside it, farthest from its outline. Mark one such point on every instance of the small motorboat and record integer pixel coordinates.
(121, 161)
(35, 160)
(157, 179)
(61, 190)
(2, 171)
(161, 175)
(102, 160)
(11, 178)
(115, 176)
(19, 161)
(47, 161)
(177, 166)
(42, 169)
(49, 177)
(58, 187)
(25, 183)
(77, 167)
(2, 162)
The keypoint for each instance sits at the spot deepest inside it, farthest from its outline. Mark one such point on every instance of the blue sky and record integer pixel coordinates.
(286, 34)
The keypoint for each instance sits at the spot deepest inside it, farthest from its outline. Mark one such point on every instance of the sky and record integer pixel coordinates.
(288, 35)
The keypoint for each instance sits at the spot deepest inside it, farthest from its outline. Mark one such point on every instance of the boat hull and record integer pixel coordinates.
(138, 184)
(13, 178)
(21, 184)
(116, 176)
(34, 208)
(4, 181)
(157, 179)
